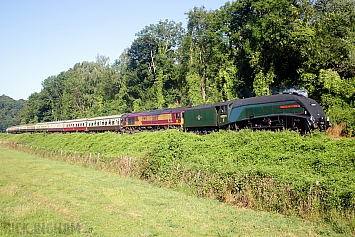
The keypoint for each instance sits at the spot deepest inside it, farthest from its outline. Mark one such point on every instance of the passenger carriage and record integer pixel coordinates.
(41, 127)
(104, 123)
(75, 125)
(57, 126)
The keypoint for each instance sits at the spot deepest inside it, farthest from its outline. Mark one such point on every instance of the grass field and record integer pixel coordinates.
(307, 176)
(52, 198)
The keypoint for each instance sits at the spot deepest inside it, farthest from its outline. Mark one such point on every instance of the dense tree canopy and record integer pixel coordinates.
(244, 48)
(9, 111)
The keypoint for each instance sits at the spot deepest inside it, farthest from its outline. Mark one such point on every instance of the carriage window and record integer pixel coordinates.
(177, 115)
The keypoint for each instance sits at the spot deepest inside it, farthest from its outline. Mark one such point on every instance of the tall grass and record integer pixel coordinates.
(311, 176)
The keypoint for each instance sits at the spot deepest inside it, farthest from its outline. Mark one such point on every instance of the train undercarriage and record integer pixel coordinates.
(273, 123)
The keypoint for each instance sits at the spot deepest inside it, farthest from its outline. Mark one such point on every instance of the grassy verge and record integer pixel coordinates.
(52, 198)
(312, 176)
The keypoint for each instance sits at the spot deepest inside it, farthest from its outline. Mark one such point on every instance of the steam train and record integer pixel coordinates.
(275, 112)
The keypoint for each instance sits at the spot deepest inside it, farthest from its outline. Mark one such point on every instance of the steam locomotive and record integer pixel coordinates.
(275, 112)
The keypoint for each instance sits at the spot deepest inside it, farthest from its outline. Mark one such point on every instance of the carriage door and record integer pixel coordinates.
(223, 115)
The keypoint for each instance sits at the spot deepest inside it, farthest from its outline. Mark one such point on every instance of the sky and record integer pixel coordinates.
(41, 38)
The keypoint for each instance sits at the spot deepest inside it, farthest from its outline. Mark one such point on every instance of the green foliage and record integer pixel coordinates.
(152, 66)
(262, 83)
(227, 78)
(343, 114)
(86, 90)
(337, 95)
(194, 89)
(9, 112)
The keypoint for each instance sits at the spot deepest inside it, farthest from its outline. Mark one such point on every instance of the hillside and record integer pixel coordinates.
(9, 111)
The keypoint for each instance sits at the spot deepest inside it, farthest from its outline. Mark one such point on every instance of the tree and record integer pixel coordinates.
(123, 102)
(197, 54)
(332, 39)
(153, 60)
(10, 112)
(37, 108)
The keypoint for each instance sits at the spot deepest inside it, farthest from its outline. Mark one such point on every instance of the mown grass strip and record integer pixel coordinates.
(41, 196)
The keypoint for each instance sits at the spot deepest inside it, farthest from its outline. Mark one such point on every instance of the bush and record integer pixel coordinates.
(343, 116)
